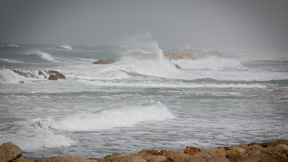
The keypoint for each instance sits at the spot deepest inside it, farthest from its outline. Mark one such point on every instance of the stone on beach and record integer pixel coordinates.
(9, 152)
(271, 151)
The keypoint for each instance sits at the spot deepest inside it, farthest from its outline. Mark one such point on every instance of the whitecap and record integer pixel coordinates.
(108, 118)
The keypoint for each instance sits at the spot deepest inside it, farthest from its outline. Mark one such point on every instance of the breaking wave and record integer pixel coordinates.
(68, 47)
(10, 60)
(108, 118)
(42, 55)
(9, 76)
(211, 63)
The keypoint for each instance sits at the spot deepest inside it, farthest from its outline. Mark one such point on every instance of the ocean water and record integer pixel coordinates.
(227, 97)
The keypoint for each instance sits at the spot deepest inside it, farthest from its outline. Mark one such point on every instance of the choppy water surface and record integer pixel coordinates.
(224, 98)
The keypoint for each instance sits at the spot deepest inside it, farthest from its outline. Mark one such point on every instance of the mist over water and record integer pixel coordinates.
(225, 97)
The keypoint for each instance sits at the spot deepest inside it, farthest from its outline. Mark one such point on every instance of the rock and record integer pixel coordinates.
(106, 61)
(42, 73)
(67, 159)
(275, 151)
(152, 152)
(149, 56)
(184, 55)
(177, 66)
(208, 156)
(176, 156)
(55, 75)
(129, 157)
(192, 150)
(109, 158)
(219, 150)
(28, 160)
(9, 152)
(153, 156)
(25, 73)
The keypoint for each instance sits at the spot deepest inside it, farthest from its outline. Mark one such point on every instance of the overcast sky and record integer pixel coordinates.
(201, 23)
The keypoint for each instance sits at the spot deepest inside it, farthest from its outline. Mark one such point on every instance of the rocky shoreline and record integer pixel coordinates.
(254, 152)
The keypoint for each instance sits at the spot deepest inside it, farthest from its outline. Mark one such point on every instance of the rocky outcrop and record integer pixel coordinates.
(272, 151)
(55, 75)
(183, 55)
(47, 74)
(170, 56)
(106, 61)
(9, 152)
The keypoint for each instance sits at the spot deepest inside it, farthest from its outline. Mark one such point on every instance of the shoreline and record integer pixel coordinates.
(268, 151)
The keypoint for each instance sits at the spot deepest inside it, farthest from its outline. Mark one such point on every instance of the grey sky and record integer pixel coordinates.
(200, 23)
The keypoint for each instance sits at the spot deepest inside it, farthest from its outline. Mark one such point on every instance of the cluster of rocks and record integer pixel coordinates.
(254, 152)
(170, 56)
(47, 74)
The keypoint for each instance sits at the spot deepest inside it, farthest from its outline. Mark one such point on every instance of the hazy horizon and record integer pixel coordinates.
(200, 24)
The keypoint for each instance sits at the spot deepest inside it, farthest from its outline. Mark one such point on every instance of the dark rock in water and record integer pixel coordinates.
(149, 56)
(55, 75)
(177, 66)
(9, 152)
(42, 73)
(184, 55)
(106, 61)
(27, 74)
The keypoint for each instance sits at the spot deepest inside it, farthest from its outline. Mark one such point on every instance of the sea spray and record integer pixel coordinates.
(135, 60)
(140, 44)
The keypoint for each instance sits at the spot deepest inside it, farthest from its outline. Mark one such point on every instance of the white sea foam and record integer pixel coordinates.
(150, 84)
(30, 138)
(9, 76)
(10, 60)
(10, 45)
(109, 118)
(68, 47)
(211, 63)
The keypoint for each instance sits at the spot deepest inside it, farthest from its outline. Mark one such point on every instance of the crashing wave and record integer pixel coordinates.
(108, 118)
(68, 47)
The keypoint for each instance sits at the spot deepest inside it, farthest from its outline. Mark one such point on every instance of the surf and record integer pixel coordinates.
(108, 118)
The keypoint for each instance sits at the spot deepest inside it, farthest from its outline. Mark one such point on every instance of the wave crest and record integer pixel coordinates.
(109, 118)
(43, 55)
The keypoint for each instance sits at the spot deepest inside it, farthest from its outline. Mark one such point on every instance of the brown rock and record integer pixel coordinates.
(192, 150)
(152, 152)
(27, 74)
(163, 152)
(129, 157)
(55, 75)
(184, 55)
(208, 156)
(154, 158)
(176, 156)
(67, 159)
(106, 61)
(219, 150)
(9, 152)
(42, 73)
(27, 160)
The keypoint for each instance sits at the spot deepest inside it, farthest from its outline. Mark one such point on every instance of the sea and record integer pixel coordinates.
(227, 97)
